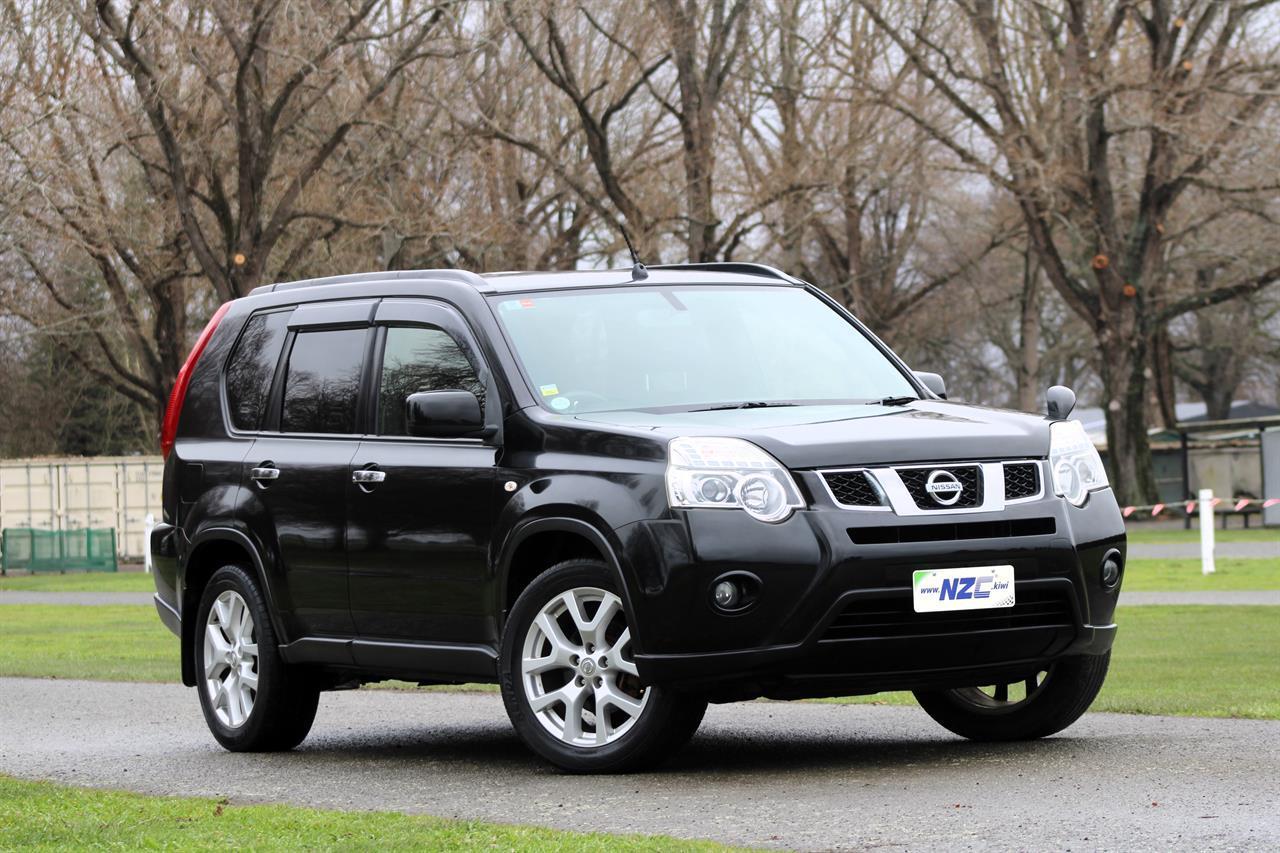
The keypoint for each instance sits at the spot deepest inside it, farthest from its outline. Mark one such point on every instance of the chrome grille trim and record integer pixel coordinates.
(902, 503)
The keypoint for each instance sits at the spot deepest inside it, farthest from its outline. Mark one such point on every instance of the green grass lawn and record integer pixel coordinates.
(1184, 575)
(44, 815)
(80, 582)
(124, 642)
(1194, 660)
(1161, 535)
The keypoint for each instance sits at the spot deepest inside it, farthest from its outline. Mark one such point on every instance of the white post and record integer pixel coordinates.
(148, 523)
(1206, 532)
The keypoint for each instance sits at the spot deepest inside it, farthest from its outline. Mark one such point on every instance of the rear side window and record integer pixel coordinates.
(420, 358)
(252, 367)
(322, 382)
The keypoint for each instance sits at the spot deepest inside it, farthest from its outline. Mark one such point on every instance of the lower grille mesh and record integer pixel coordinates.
(895, 617)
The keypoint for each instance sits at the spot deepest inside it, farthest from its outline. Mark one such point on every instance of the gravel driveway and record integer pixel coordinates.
(765, 774)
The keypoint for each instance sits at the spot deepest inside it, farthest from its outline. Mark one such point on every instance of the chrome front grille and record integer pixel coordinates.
(938, 489)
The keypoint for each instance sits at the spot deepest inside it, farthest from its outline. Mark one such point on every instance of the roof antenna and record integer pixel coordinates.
(638, 270)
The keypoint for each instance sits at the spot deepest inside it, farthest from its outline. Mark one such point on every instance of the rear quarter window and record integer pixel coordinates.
(252, 367)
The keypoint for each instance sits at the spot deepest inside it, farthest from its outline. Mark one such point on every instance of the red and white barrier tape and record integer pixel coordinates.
(1190, 506)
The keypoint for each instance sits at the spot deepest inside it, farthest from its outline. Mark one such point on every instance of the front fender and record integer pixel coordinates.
(593, 507)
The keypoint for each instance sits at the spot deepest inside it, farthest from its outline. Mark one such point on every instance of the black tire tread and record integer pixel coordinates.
(1074, 685)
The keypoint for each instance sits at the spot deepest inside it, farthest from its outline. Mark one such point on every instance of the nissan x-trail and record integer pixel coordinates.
(620, 495)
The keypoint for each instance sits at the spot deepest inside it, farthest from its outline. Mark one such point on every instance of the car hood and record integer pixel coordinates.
(847, 435)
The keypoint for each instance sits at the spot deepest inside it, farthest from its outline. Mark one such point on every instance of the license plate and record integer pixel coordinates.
(976, 588)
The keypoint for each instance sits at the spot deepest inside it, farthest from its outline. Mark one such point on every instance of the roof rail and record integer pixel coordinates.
(733, 267)
(461, 276)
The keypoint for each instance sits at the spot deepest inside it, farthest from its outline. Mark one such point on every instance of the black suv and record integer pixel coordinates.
(620, 495)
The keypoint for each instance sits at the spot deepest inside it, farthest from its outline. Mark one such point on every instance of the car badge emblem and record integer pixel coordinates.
(943, 487)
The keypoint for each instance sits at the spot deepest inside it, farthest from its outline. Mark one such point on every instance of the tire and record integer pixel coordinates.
(282, 707)
(1052, 700)
(641, 724)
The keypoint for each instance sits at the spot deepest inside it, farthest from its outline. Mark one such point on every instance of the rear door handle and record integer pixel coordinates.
(367, 475)
(264, 473)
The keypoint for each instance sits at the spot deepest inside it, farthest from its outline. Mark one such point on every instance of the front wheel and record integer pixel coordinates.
(1043, 703)
(570, 682)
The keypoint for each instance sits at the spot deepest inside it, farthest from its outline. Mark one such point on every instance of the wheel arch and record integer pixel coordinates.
(210, 550)
(537, 544)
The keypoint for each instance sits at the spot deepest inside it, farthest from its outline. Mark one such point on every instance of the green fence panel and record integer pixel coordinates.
(90, 549)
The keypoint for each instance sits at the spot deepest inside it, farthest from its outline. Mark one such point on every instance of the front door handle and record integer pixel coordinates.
(365, 476)
(264, 473)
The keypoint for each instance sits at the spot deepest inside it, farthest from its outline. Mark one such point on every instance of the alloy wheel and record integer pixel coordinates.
(231, 659)
(578, 671)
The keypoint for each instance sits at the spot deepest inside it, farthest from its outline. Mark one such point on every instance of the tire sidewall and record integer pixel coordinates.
(236, 578)
(645, 733)
(1069, 691)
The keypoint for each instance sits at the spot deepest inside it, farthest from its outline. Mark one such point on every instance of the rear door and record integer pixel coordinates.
(418, 540)
(299, 468)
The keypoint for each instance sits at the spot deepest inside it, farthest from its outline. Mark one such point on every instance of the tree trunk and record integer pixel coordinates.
(1162, 370)
(1124, 385)
(1028, 370)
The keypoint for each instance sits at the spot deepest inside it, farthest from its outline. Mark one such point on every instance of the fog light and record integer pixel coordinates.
(1111, 569)
(726, 595)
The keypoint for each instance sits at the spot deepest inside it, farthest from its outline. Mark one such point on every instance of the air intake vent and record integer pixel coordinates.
(1021, 480)
(894, 617)
(1002, 529)
(853, 488)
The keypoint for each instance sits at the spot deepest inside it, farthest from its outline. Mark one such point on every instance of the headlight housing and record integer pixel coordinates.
(1074, 462)
(729, 473)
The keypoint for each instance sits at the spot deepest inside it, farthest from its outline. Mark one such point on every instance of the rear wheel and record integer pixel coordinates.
(1043, 703)
(570, 682)
(252, 700)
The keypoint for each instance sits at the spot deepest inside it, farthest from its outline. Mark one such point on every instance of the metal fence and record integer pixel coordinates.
(73, 494)
(33, 550)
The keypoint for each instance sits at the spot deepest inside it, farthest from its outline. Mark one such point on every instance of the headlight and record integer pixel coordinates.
(1074, 462)
(729, 473)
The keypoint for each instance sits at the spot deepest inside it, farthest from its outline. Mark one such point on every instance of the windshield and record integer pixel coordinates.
(684, 348)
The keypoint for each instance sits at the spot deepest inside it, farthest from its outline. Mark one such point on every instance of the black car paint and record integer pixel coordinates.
(412, 578)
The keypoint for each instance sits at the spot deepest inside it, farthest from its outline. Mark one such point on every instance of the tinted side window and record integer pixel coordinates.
(252, 366)
(418, 358)
(322, 384)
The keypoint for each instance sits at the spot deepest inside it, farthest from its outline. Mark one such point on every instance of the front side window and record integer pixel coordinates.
(322, 382)
(252, 367)
(688, 347)
(420, 358)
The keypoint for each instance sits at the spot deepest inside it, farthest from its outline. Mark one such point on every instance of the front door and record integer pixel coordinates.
(419, 527)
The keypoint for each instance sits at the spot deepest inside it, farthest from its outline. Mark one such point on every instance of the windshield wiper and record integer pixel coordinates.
(754, 404)
(895, 401)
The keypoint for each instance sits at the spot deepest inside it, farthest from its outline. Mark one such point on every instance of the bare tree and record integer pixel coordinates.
(287, 83)
(1097, 118)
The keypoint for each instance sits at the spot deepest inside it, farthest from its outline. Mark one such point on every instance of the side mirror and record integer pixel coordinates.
(442, 414)
(933, 382)
(1059, 401)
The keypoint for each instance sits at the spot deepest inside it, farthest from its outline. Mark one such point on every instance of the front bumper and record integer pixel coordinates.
(835, 617)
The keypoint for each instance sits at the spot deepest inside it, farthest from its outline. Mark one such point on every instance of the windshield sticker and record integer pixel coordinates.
(560, 404)
(549, 390)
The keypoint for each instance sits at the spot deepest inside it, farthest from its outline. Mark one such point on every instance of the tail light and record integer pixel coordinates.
(169, 429)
